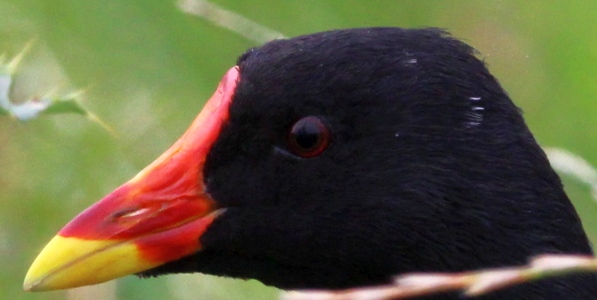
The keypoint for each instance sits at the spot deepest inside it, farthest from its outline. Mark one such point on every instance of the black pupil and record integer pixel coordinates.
(307, 134)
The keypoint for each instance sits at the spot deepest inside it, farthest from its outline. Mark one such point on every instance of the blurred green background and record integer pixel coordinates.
(147, 67)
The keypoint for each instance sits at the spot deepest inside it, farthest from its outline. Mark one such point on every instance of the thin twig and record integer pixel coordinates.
(571, 164)
(229, 20)
(472, 284)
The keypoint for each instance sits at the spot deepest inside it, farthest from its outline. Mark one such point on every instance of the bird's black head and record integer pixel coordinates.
(430, 166)
(350, 156)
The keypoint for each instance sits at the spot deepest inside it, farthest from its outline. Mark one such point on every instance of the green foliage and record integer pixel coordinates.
(68, 105)
(31, 109)
(149, 67)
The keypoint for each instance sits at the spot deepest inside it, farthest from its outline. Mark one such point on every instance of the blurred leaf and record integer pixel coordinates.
(62, 106)
(47, 105)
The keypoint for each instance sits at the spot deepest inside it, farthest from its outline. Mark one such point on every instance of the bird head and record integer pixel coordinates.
(332, 160)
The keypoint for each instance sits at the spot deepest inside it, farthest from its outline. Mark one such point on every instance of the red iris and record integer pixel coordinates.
(308, 137)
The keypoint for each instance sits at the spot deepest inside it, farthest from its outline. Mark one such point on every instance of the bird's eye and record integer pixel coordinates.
(308, 137)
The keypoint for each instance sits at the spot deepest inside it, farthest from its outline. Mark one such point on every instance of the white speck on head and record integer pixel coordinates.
(474, 119)
(474, 116)
(397, 134)
(411, 61)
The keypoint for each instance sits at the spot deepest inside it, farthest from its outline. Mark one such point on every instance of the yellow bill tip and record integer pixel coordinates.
(68, 262)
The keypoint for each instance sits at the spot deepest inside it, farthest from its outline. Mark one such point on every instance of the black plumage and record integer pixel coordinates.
(430, 168)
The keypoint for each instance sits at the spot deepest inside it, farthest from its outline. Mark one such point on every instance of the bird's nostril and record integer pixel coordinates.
(135, 213)
(132, 214)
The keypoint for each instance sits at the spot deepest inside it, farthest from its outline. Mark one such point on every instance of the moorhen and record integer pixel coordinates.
(333, 160)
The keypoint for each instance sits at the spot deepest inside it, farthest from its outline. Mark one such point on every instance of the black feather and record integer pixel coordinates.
(431, 168)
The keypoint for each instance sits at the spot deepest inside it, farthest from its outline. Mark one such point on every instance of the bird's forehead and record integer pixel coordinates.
(283, 79)
(310, 72)
(379, 71)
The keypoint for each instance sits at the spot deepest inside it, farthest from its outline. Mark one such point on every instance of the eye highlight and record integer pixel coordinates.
(308, 137)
